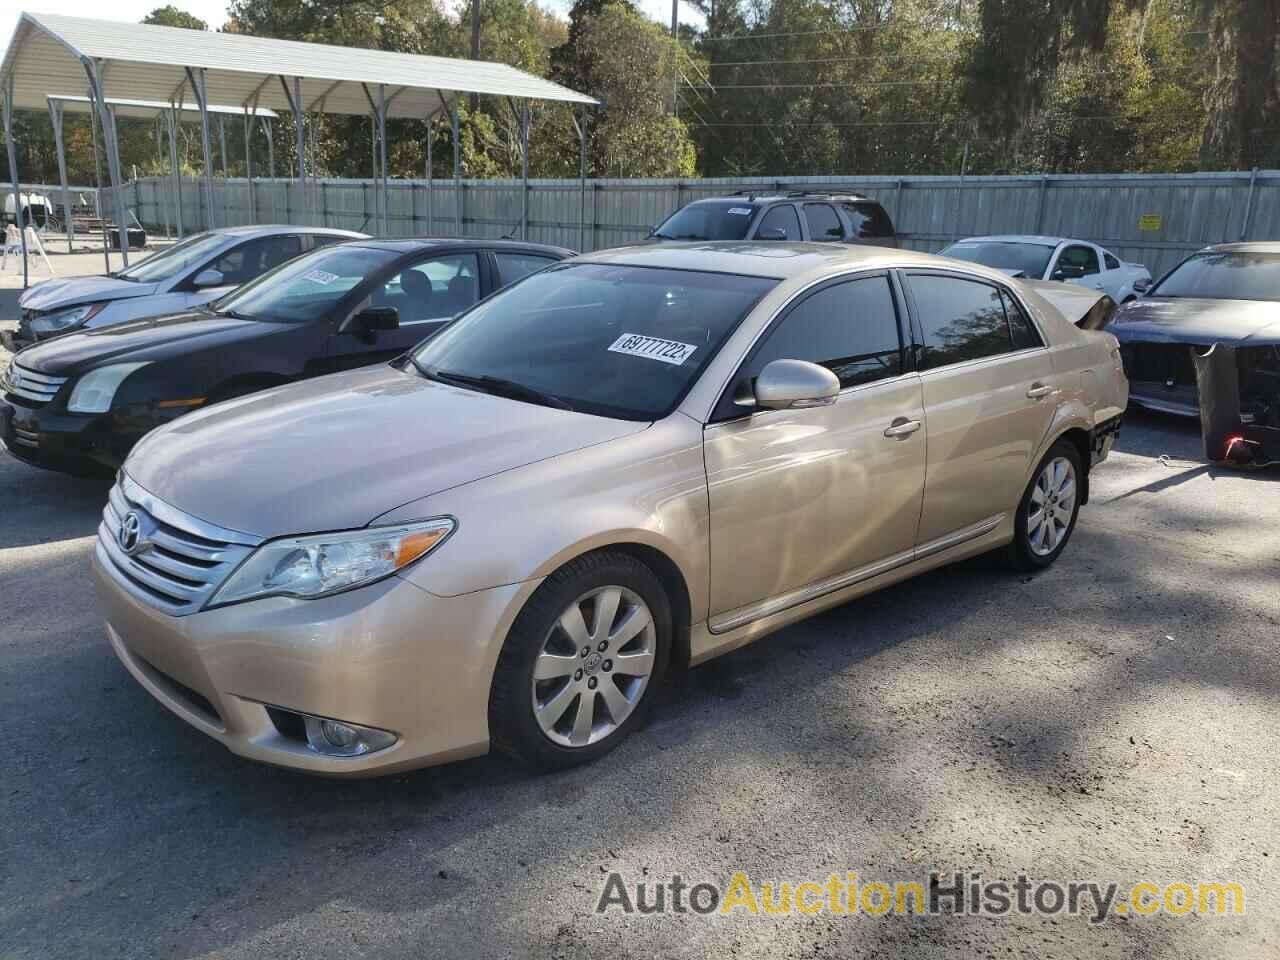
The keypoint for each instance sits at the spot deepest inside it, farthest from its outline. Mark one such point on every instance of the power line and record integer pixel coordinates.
(871, 57)
(895, 123)
(848, 83)
(800, 33)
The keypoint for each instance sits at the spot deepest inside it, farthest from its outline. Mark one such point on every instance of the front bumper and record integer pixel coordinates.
(389, 655)
(70, 443)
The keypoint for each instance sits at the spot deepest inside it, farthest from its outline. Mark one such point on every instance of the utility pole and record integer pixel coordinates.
(475, 46)
(675, 57)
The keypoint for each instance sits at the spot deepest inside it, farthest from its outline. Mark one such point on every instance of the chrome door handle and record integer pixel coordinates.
(901, 428)
(1039, 390)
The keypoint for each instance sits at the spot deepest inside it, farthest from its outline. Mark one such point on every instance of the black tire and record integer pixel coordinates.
(513, 728)
(1020, 554)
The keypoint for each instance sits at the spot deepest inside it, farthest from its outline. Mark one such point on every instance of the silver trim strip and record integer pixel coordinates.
(767, 608)
(182, 520)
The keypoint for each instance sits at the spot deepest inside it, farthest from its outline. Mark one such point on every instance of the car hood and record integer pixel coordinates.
(335, 452)
(56, 294)
(1186, 320)
(138, 340)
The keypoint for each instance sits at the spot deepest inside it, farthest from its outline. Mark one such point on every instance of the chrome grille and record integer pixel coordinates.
(178, 560)
(29, 385)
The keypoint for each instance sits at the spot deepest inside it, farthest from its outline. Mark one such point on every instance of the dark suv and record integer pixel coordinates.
(831, 217)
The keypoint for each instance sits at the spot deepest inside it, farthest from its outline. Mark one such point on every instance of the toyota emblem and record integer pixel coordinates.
(130, 535)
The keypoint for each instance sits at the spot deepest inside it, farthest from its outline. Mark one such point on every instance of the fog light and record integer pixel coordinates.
(334, 738)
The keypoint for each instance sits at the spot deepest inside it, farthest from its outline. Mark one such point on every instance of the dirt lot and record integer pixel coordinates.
(1115, 718)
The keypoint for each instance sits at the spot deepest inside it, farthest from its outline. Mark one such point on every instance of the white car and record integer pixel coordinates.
(1056, 258)
(193, 271)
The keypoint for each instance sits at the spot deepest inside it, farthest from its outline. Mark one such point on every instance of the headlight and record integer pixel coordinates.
(65, 319)
(309, 567)
(94, 391)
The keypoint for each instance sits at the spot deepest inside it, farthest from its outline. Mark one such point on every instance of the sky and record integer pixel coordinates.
(213, 12)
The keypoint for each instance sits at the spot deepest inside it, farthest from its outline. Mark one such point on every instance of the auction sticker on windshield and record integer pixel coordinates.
(322, 277)
(653, 348)
(740, 211)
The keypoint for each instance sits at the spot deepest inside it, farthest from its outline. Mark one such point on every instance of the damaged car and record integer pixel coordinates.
(1227, 294)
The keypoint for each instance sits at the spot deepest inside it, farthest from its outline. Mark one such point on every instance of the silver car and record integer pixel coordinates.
(193, 271)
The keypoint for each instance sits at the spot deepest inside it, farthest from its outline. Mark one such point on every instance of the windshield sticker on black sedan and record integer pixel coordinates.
(653, 348)
(322, 277)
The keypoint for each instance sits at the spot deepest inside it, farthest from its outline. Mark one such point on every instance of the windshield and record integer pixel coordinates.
(1224, 276)
(303, 289)
(188, 254)
(709, 220)
(1031, 258)
(617, 341)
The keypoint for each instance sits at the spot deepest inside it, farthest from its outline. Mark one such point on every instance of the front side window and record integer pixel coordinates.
(823, 222)
(435, 289)
(305, 289)
(960, 320)
(183, 257)
(615, 341)
(779, 223)
(516, 266)
(1076, 261)
(1235, 275)
(851, 328)
(709, 220)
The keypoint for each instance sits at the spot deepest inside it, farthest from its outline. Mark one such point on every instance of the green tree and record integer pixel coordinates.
(171, 16)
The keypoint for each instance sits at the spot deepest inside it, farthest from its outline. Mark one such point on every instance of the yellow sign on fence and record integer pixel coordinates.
(1150, 221)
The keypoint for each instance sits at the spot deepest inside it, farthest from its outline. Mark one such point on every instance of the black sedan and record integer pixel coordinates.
(80, 402)
(1228, 294)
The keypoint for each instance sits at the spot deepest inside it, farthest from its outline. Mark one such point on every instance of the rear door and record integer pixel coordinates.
(988, 388)
(1078, 263)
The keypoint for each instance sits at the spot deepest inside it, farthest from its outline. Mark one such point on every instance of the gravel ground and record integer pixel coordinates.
(1113, 718)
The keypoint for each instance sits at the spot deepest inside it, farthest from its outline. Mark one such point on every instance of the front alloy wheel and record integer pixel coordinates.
(588, 679)
(578, 669)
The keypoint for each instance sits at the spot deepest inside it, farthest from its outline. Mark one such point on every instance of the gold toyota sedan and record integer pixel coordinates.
(635, 460)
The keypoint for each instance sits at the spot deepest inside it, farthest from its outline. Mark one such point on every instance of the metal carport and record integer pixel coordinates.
(57, 54)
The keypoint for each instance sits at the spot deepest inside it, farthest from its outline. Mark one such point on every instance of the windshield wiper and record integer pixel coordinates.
(495, 385)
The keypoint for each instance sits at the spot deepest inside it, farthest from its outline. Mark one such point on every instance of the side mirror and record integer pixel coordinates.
(795, 385)
(374, 319)
(208, 278)
(1141, 286)
(776, 233)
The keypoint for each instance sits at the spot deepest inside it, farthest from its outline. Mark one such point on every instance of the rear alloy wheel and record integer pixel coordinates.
(1047, 514)
(578, 670)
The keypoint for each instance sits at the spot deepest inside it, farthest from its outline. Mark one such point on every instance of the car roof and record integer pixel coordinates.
(271, 229)
(413, 244)
(779, 260)
(1040, 239)
(1247, 246)
(774, 197)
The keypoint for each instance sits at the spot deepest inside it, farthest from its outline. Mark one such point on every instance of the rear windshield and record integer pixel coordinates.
(709, 220)
(1030, 258)
(1224, 276)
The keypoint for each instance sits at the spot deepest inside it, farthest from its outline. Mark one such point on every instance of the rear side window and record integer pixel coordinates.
(1112, 262)
(1021, 329)
(823, 222)
(780, 218)
(960, 320)
(851, 328)
(514, 266)
(869, 220)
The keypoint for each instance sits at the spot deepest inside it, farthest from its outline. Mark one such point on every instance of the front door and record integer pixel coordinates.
(988, 398)
(426, 295)
(804, 501)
